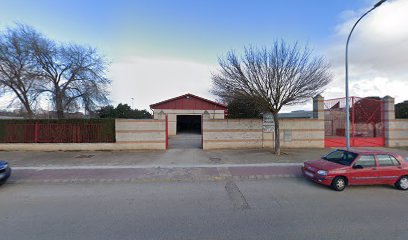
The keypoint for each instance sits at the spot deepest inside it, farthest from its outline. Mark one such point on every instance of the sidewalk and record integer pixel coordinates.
(158, 166)
(90, 174)
(171, 157)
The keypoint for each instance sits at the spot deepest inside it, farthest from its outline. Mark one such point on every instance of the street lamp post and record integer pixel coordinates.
(132, 102)
(347, 82)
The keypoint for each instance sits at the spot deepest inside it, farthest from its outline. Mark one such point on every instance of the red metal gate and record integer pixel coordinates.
(366, 122)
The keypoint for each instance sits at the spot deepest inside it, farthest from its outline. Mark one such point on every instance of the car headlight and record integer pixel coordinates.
(4, 167)
(322, 172)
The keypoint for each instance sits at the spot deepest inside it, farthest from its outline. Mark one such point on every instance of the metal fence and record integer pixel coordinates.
(57, 132)
(366, 121)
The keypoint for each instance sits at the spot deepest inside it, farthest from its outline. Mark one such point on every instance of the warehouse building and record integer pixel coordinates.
(186, 112)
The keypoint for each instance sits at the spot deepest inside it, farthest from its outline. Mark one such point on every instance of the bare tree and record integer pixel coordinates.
(76, 75)
(274, 77)
(19, 74)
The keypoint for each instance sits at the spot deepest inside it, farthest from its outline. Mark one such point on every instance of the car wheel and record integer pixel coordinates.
(339, 183)
(402, 183)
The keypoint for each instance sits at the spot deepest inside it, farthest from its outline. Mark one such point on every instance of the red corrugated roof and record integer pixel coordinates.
(156, 105)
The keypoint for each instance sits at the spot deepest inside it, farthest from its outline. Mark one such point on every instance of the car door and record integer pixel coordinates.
(389, 169)
(364, 170)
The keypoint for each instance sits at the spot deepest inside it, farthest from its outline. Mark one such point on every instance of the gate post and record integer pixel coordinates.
(206, 115)
(318, 114)
(167, 132)
(389, 117)
(318, 107)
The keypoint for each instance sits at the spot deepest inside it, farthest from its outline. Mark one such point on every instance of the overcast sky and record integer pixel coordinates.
(162, 49)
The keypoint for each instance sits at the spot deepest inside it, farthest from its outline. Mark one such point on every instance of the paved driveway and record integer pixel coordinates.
(185, 141)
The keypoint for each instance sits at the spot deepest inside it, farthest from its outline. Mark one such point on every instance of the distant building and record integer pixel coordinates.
(10, 117)
(297, 114)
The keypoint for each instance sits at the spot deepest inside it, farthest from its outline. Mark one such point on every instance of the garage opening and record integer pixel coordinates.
(189, 124)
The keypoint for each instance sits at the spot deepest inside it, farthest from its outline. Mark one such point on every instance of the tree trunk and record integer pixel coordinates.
(27, 106)
(277, 134)
(58, 104)
(30, 113)
(60, 110)
(25, 102)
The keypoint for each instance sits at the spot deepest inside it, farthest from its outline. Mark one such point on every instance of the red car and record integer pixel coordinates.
(361, 167)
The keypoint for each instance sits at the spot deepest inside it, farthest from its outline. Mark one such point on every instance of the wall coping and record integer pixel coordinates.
(139, 120)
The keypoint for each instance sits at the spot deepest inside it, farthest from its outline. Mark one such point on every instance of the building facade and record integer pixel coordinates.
(185, 113)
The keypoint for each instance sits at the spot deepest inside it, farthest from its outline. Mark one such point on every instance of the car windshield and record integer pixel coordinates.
(341, 157)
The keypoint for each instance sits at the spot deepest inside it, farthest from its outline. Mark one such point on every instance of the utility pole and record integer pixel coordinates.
(347, 80)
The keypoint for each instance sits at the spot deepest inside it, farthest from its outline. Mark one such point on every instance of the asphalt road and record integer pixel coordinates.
(279, 208)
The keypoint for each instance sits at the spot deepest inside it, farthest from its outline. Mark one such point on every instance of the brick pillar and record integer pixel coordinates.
(389, 116)
(318, 107)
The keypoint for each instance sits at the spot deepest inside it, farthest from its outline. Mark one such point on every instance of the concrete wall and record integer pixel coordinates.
(141, 134)
(131, 134)
(397, 133)
(396, 130)
(232, 133)
(220, 133)
(172, 116)
(299, 133)
(248, 133)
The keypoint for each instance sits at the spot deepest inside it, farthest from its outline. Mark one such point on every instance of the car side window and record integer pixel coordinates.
(335, 155)
(385, 160)
(366, 161)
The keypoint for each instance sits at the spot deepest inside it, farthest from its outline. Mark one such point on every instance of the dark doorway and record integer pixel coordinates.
(189, 124)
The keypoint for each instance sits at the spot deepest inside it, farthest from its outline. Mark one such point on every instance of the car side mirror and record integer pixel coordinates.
(357, 166)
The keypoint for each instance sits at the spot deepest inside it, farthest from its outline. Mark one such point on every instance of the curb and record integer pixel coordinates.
(62, 167)
(152, 180)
